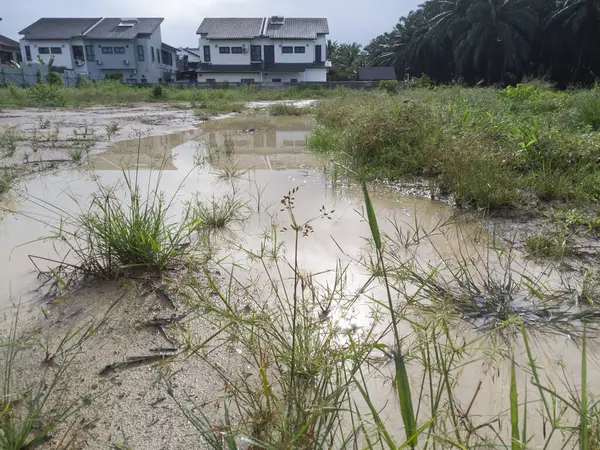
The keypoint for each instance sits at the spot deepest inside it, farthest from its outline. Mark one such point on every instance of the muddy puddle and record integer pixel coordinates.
(262, 159)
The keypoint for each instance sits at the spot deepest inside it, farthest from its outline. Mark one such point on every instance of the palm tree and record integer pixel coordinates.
(582, 17)
(346, 60)
(498, 36)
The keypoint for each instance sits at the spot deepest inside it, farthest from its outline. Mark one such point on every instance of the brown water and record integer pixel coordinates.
(271, 158)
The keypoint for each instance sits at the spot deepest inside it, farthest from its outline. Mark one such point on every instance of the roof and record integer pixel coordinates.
(109, 28)
(297, 28)
(58, 28)
(191, 51)
(168, 48)
(242, 68)
(231, 28)
(376, 73)
(7, 42)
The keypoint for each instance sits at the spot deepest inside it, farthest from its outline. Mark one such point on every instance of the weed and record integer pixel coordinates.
(389, 86)
(158, 92)
(219, 214)
(6, 180)
(548, 245)
(112, 128)
(287, 109)
(43, 124)
(8, 141)
(54, 79)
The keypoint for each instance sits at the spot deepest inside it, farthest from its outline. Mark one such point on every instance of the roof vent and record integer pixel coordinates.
(276, 20)
(128, 22)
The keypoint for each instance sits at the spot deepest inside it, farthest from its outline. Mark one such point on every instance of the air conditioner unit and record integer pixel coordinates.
(79, 62)
(134, 72)
(126, 62)
(99, 62)
(245, 48)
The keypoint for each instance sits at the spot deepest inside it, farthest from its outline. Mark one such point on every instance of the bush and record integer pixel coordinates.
(82, 80)
(115, 76)
(588, 107)
(47, 95)
(390, 86)
(158, 92)
(54, 79)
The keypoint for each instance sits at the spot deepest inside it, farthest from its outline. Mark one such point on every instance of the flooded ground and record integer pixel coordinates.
(260, 160)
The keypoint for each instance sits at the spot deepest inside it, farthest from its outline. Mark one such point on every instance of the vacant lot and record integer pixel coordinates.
(190, 275)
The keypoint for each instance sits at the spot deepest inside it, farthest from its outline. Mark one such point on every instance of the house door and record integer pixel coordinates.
(269, 54)
(318, 54)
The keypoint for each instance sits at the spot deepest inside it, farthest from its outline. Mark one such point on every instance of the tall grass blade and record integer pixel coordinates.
(584, 439)
(372, 217)
(514, 409)
(405, 398)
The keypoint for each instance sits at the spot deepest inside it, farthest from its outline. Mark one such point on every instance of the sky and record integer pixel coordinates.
(349, 21)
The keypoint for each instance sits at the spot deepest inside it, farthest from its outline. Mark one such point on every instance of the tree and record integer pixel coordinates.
(346, 59)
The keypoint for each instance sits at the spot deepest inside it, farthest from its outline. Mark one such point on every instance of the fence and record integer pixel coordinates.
(30, 74)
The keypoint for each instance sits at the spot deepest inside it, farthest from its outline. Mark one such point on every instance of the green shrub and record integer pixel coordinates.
(158, 92)
(588, 107)
(422, 82)
(82, 80)
(287, 109)
(47, 95)
(115, 76)
(390, 86)
(54, 79)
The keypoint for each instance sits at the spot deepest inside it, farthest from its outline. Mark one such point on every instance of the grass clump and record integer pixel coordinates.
(215, 215)
(287, 109)
(6, 180)
(488, 147)
(588, 107)
(548, 245)
(8, 141)
(112, 128)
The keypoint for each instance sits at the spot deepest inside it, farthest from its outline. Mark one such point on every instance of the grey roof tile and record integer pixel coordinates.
(231, 28)
(298, 28)
(7, 42)
(58, 28)
(109, 28)
(376, 73)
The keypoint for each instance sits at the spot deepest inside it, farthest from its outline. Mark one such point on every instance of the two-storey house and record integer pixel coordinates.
(9, 50)
(131, 48)
(275, 49)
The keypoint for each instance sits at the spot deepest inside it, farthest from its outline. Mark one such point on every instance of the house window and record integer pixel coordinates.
(43, 50)
(247, 80)
(255, 53)
(224, 50)
(107, 50)
(299, 49)
(152, 52)
(56, 50)
(89, 52)
(211, 80)
(287, 49)
(207, 53)
(276, 80)
(28, 52)
(236, 49)
(119, 50)
(158, 55)
(140, 52)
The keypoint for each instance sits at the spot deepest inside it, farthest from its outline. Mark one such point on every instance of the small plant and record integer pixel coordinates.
(114, 76)
(43, 124)
(6, 180)
(112, 128)
(588, 107)
(548, 245)
(219, 214)
(158, 92)
(8, 141)
(79, 151)
(54, 79)
(287, 109)
(389, 86)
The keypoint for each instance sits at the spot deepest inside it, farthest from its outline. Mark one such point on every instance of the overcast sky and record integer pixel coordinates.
(349, 21)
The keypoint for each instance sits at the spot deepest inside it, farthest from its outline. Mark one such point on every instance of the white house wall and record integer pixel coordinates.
(229, 77)
(62, 60)
(226, 58)
(315, 75)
